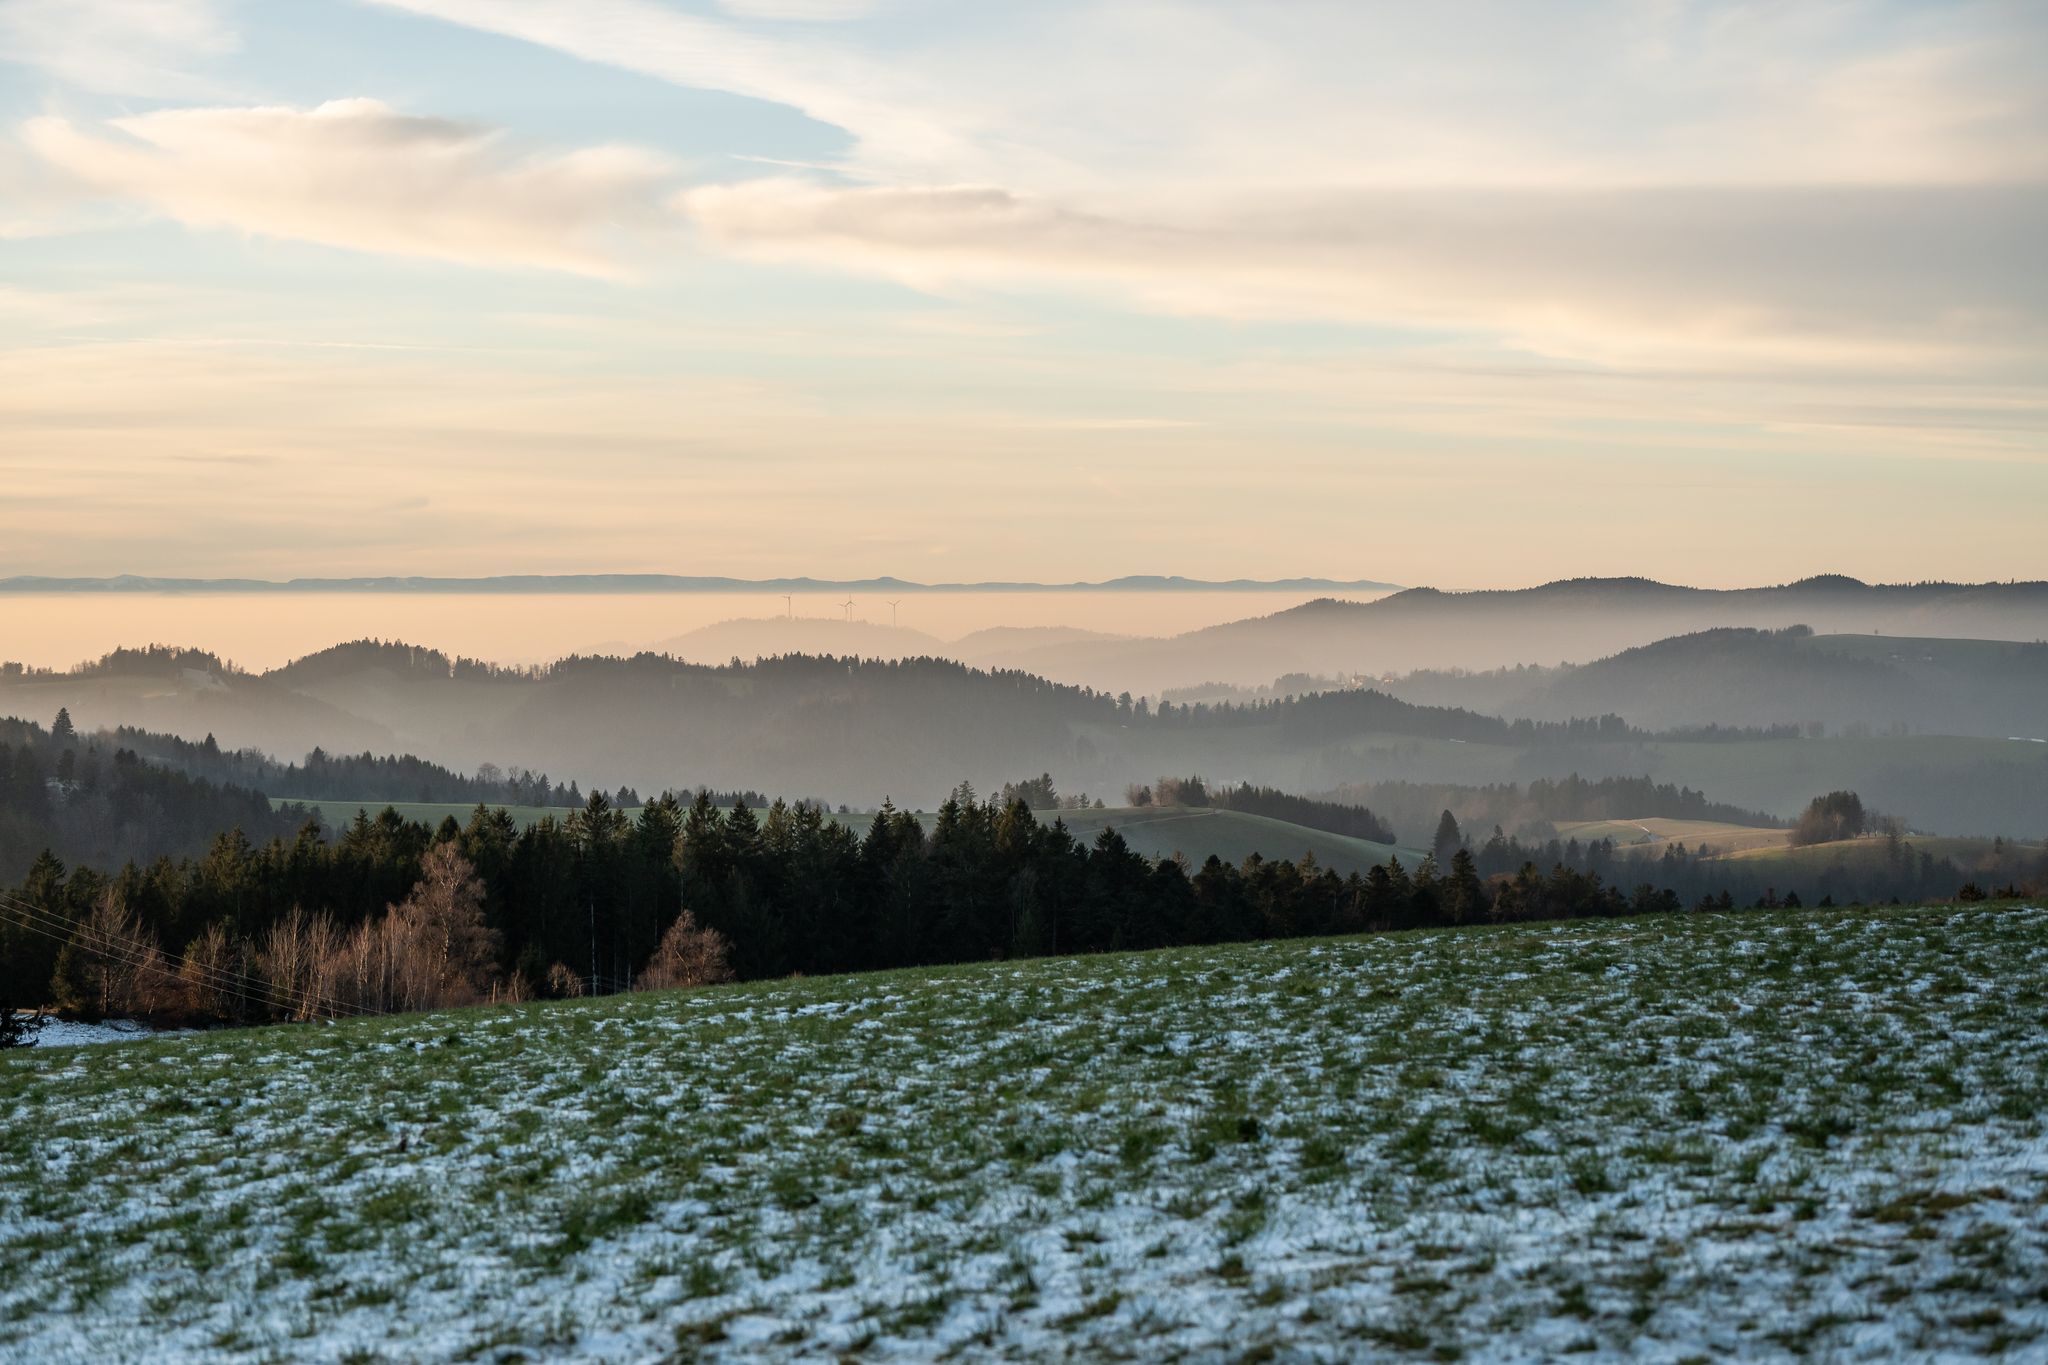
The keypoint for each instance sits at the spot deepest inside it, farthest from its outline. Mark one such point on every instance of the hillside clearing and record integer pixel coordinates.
(1760, 1133)
(1654, 834)
(1162, 831)
(1869, 850)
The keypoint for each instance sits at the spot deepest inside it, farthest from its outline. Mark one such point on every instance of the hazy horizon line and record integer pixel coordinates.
(659, 583)
(655, 583)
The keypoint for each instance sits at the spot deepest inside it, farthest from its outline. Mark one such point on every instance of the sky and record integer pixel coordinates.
(1475, 293)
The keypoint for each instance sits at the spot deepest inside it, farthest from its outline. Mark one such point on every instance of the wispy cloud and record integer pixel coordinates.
(119, 47)
(806, 11)
(361, 175)
(1626, 184)
(1148, 100)
(1765, 277)
(890, 107)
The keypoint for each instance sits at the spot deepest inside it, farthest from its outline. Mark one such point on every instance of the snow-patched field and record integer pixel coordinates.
(52, 1032)
(1759, 1134)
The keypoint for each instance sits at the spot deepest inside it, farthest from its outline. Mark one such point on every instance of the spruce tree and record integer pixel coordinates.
(1449, 839)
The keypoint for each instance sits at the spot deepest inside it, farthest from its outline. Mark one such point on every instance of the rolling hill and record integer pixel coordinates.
(1760, 678)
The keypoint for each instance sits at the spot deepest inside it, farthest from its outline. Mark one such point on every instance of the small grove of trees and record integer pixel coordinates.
(1038, 793)
(1837, 815)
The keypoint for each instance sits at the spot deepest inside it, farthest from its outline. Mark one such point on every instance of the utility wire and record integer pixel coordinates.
(250, 990)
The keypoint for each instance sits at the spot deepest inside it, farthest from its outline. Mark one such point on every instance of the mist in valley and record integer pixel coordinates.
(1715, 691)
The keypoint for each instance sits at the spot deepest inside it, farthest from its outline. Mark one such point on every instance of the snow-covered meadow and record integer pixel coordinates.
(1764, 1134)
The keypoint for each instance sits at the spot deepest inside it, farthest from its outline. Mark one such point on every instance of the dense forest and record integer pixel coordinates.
(375, 779)
(106, 806)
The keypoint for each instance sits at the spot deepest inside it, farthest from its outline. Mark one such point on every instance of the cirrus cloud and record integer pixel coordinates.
(358, 174)
(1774, 276)
(118, 47)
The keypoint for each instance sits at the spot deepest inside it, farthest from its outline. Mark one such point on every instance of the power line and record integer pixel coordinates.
(250, 990)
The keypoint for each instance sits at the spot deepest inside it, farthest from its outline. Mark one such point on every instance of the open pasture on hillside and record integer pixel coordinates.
(1867, 850)
(1752, 1134)
(1232, 835)
(1655, 834)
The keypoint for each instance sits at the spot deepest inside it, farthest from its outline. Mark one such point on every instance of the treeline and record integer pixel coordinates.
(584, 904)
(1336, 817)
(349, 777)
(394, 914)
(376, 779)
(1514, 806)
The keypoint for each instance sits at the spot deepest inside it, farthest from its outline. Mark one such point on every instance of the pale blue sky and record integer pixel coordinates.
(1478, 293)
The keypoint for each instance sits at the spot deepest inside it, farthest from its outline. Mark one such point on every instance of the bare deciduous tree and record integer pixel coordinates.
(215, 973)
(113, 966)
(688, 955)
(301, 960)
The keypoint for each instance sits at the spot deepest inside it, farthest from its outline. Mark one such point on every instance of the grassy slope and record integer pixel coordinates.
(1652, 835)
(1869, 849)
(1737, 1134)
(1162, 831)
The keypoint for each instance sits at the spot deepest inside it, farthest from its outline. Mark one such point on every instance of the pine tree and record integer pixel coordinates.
(1449, 839)
(1464, 895)
(62, 731)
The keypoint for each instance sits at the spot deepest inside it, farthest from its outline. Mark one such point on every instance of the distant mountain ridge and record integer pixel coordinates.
(1571, 620)
(665, 583)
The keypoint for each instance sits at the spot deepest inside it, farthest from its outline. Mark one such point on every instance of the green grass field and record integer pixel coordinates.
(1751, 1135)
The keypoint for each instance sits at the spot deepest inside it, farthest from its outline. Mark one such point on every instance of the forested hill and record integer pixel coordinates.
(90, 801)
(842, 729)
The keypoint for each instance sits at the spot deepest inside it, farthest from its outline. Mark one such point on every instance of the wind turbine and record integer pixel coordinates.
(788, 606)
(892, 614)
(847, 606)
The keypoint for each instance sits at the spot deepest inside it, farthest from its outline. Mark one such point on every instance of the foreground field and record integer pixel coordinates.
(1758, 1134)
